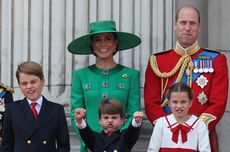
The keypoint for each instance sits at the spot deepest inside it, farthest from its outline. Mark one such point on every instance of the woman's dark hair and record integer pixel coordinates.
(180, 87)
(110, 107)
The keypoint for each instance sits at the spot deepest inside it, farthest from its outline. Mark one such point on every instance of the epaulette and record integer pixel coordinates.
(6, 87)
(163, 52)
(215, 51)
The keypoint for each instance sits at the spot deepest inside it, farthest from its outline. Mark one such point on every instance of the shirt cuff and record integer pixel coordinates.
(82, 125)
(134, 124)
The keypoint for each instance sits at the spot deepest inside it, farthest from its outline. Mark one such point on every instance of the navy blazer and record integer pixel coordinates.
(117, 142)
(22, 133)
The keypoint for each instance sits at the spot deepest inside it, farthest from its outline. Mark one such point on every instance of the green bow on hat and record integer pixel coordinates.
(82, 45)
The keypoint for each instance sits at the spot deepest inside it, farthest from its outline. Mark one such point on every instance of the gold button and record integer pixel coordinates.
(29, 141)
(44, 142)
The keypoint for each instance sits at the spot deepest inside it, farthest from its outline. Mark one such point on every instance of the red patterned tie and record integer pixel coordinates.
(34, 109)
(109, 133)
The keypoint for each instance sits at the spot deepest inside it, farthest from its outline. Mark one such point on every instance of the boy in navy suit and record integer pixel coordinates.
(34, 124)
(111, 139)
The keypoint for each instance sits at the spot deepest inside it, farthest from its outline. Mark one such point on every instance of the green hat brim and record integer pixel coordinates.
(82, 45)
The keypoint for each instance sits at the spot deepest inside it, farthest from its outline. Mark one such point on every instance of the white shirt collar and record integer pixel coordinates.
(39, 101)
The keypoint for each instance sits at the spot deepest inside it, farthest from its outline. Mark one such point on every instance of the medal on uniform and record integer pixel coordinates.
(202, 81)
(195, 70)
(210, 69)
(205, 65)
(200, 67)
(2, 105)
(202, 98)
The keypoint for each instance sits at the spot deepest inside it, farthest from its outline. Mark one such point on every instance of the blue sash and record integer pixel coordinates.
(210, 54)
(2, 93)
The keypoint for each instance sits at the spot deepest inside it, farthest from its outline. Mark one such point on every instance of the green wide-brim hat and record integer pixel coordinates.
(82, 45)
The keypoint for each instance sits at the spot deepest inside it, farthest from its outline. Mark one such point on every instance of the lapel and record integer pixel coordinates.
(41, 116)
(27, 112)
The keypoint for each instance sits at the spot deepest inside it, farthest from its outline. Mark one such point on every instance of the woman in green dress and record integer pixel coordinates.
(106, 78)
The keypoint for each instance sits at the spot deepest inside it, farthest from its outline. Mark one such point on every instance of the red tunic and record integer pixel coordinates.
(216, 89)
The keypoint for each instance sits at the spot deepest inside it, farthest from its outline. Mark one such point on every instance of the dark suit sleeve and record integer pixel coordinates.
(131, 135)
(8, 137)
(88, 137)
(63, 144)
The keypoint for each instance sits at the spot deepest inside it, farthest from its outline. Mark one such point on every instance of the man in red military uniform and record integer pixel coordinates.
(6, 97)
(204, 70)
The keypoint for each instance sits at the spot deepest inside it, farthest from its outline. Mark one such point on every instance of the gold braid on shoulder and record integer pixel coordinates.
(6, 87)
(185, 61)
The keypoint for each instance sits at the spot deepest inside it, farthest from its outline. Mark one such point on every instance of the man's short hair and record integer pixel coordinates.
(31, 68)
(187, 6)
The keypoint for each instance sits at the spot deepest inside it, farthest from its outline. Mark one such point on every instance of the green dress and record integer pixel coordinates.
(90, 85)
